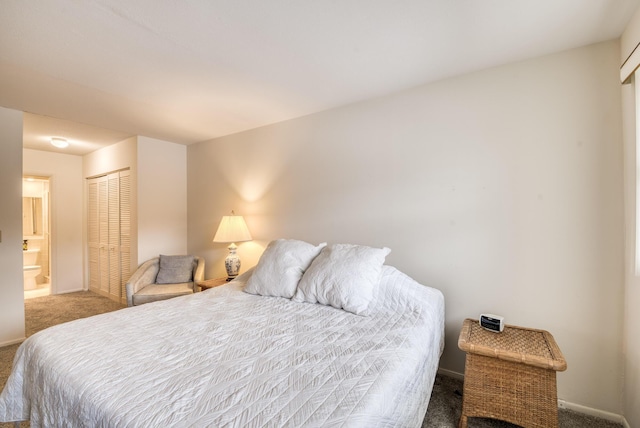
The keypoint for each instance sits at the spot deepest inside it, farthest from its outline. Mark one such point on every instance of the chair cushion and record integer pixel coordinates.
(155, 292)
(175, 269)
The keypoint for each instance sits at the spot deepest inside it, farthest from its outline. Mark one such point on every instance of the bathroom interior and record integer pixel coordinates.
(36, 242)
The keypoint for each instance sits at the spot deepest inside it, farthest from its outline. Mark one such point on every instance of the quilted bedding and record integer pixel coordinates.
(227, 358)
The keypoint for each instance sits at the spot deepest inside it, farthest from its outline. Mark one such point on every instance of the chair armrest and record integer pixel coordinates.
(198, 274)
(145, 274)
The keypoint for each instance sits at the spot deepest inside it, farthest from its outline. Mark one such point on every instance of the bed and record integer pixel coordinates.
(227, 357)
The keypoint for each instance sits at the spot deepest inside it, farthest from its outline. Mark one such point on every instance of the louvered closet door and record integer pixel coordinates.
(125, 231)
(114, 234)
(109, 233)
(93, 235)
(103, 232)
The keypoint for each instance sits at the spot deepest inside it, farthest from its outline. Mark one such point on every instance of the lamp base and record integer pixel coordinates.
(232, 263)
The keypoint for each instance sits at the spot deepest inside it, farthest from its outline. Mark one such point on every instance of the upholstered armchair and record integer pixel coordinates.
(164, 277)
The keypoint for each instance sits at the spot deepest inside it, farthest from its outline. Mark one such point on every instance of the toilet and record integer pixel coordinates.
(30, 269)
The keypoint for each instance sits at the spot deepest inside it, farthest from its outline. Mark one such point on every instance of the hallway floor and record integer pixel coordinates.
(41, 291)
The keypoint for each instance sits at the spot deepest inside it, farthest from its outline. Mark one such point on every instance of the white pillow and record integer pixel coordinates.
(281, 266)
(343, 276)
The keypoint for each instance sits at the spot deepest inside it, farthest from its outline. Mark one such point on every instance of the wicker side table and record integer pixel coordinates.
(511, 375)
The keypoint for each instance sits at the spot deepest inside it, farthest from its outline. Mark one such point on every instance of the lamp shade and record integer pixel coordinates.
(232, 229)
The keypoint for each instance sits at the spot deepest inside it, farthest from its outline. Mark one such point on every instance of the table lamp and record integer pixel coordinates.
(232, 229)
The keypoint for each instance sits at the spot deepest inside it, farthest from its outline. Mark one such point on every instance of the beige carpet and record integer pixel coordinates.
(444, 407)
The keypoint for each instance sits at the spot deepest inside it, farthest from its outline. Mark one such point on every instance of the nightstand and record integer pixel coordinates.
(511, 375)
(211, 283)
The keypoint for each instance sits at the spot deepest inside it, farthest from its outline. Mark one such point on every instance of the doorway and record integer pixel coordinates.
(36, 235)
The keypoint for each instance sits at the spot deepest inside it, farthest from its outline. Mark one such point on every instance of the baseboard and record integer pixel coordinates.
(451, 373)
(608, 416)
(71, 291)
(12, 342)
(562, 404)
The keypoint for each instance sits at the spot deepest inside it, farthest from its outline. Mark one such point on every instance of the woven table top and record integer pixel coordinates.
(518, 344)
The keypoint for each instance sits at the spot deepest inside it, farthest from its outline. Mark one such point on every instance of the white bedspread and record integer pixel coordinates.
(227, 358)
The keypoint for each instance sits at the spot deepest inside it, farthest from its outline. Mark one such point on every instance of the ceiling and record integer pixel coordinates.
(189, 71)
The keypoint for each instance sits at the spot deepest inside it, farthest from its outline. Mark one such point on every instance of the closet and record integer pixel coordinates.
(109, 233)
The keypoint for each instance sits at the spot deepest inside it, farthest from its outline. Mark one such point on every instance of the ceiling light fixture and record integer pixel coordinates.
(59, 142)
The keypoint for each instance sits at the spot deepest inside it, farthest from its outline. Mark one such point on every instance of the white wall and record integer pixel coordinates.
(630, 37)
(112, 158)
(629, 40)
(502, 188)
(158, 193)
(67, 205)
(162, 198)
(11, 278)
(631, 339)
